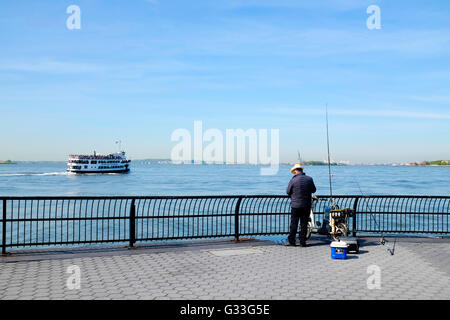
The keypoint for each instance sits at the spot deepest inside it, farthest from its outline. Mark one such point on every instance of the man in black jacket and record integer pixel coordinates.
(300, 190)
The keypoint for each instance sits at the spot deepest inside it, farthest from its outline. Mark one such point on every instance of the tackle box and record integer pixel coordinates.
(353, 244)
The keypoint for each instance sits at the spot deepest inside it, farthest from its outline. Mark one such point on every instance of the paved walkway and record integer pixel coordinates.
(221, 269)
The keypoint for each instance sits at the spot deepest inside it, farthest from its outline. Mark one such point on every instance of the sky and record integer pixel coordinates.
(138, 70)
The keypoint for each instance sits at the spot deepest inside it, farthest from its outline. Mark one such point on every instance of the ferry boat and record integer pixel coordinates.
(111, 163)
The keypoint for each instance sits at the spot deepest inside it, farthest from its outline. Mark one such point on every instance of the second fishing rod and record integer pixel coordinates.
(340, 227)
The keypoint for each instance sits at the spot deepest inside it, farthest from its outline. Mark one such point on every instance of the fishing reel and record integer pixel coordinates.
(338, 222)
(341, 213)
(335, 220)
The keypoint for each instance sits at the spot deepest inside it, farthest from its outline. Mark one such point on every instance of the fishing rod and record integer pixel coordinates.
(329, 162)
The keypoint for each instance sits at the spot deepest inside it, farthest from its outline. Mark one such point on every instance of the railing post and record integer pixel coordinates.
(4, 228)
(132, 224)
(355, 205)
(236, 220)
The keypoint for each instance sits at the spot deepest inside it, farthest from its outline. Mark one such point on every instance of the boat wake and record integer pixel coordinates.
(18, 174)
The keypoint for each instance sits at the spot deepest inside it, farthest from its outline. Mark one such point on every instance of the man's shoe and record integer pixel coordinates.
(303, 244)
(290, 244)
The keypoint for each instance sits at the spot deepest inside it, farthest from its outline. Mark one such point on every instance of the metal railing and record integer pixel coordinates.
(57, 221)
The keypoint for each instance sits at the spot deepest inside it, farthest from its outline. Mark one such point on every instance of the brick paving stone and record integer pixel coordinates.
(197, 274)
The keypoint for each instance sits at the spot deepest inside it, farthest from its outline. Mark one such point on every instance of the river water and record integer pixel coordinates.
(145, 178)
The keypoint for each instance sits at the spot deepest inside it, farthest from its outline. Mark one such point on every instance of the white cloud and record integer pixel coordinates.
(122, 70)
(339, 5)
(269, 39)
(394, 113)
(366, 113)
(56, 67)
(432, 98)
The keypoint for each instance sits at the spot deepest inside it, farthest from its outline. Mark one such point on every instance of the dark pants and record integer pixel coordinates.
(301, 214)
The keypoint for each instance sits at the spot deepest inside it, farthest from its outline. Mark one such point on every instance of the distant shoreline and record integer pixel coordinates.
(7, 162)
(306, 164)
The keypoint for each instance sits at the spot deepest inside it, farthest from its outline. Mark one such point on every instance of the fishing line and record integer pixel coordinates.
(382, 240)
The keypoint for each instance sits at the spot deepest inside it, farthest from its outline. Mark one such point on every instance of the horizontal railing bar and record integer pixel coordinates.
(187, 237)
(26, 244)
(405, 231)
(263, 233)
(131, 197)
(212, 215)
(403, 213)
(210, 197)
(66, 219)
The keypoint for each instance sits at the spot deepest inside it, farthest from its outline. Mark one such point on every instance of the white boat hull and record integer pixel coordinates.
(98, 171)
(112, 163)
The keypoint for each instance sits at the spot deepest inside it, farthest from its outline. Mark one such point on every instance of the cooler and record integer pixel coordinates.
(339, 250)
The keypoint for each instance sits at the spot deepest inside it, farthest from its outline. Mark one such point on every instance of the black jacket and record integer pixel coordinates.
(300, 189)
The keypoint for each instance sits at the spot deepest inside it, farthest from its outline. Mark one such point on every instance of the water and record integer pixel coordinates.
(51, 179)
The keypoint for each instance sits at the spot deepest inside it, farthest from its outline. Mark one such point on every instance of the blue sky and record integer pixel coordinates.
(137, 70)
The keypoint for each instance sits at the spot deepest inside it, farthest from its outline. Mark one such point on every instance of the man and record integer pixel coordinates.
(300, 190)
